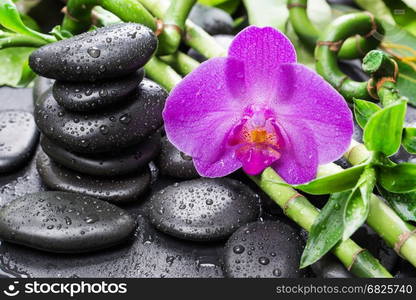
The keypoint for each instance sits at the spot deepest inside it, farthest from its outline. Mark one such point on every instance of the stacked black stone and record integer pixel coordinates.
(99, 121)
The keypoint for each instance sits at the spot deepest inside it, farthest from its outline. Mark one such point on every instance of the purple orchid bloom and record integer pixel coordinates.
(258, 108)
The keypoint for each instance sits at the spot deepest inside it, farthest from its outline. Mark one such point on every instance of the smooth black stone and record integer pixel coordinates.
(18, 139)
(40, 86)
(330, 267)
(148, 254)
(174, 163)
(411, 115)
(109, 52)
(116, 190)
(107, 165)
(353, 68)
(16, 99)
(203, 209)
(114, 128)
(84, 96)
(267, 249)
(64, 222)
(224, 40)
(212, 20)
(405, 270)
(402, 156)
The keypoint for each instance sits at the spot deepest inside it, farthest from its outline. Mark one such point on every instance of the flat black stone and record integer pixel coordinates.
(114, 128)
(174, 163)
(109, 52)
(148, 254)
(203, 209)
(117, 190)
(213, 20)
(267, 249)
(85, 96)
(114, 164)
(18, 139)
(16, 99)
(40, 86)
(64, 222)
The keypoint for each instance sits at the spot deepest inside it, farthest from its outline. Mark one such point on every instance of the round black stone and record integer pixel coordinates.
(118, 190)
(120, 127)
(64, 222)
(203, 209)
(174, 163)
(81, 96)
(109, 52)
(121, 163)
(213, 20)
(40, 86)
(148, 254)
(264, 249)
(18, 139)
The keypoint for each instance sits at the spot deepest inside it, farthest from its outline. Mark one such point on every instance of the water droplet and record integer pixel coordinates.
(264, 261)
(125, 119)
(238, 249)
(94, 52)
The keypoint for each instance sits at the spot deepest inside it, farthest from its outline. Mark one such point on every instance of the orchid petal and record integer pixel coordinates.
(201, 111)
(261, 50)
(304, 96)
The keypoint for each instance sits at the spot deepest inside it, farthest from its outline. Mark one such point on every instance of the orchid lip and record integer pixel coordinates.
(256, 139)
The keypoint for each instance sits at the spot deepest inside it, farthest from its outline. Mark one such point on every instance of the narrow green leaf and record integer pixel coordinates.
(342, 181)
(358, 204)
(404, 204)
(326, 231)
(402, 14)
(398, 179)
(409, 139)
(363, 110)
(10, 19)
(383, 131)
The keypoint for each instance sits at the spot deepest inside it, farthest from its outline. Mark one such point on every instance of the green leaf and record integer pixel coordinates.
(326, 231)
(363, 110)
(378, 8)
(10, 19)
(402, 14)
(60, 34)
(406, 82)
(342, 181)
(212, 2)
(403, 204)
(409, 139)
(229, 6)
(14, 69)
(398, 179)
(273, 13)
(358, 203)
(383, 131)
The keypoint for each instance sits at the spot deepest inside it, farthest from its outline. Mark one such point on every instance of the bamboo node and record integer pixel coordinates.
(288, 202)
(354, 258)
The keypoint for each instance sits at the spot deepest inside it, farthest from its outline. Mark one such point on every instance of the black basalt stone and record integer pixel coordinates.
(18, 139)
(212, 20)
(114, 128)
(127, 161)
(267, 249)
(107, 52)
(117, 190)
(84, 97)
(174, 163)
(64, 222)
(203, 209)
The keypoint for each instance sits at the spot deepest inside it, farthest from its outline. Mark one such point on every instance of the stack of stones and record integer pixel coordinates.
(100, 120)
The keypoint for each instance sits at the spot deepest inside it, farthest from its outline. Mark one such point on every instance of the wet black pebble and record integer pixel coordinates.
(64, 222)
(40, 86)
(212, 20)
(114, 128)
(203, 209)
(118, 190)
(18, 139)
(108, 52)
(77, 96)
(149, 253)
(267, 249)
(174, 163)
(112, 164)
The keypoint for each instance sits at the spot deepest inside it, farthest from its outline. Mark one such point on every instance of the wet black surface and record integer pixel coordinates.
(108, 52)
(211, 19)
(64, 222)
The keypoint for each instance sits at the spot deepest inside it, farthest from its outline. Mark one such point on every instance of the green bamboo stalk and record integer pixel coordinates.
(299, 209)
(195, 36)
(328, 46)
(174, 25)
(161, 73)
(354, 47)
(182, 63)
(78, 13)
